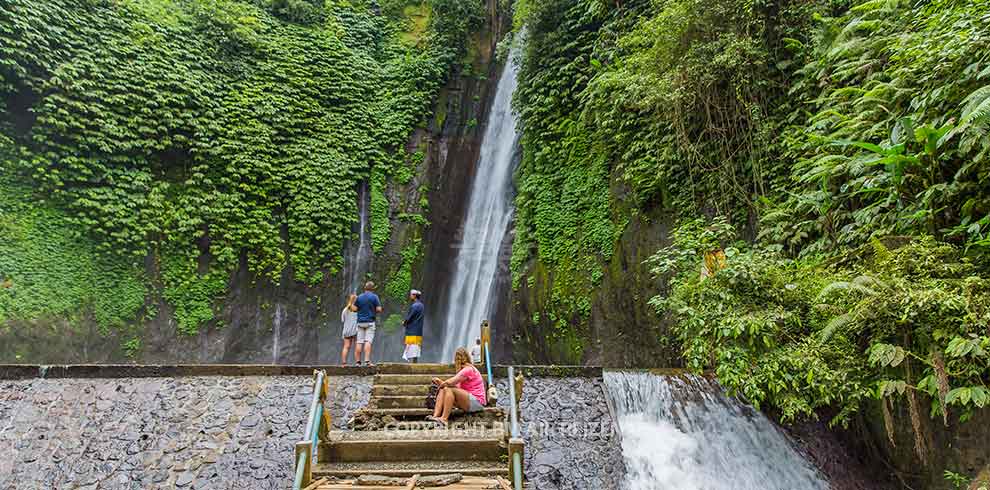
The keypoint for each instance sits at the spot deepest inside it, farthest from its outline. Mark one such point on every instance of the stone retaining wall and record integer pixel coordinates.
(226, 428)
(572, 440)
(144, 433)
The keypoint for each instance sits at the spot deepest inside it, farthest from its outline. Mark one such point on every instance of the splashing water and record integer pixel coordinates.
(489, 214)
(683, 433)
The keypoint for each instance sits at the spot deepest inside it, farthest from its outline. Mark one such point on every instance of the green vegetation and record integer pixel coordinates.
(836, 151)
(400, 283)
(201, 131)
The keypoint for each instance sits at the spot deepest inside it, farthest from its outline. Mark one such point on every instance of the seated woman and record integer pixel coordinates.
(465, 390)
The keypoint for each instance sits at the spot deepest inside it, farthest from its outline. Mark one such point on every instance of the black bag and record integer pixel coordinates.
(431, 397)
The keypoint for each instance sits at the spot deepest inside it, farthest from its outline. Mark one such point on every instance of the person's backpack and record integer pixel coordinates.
(431, 397)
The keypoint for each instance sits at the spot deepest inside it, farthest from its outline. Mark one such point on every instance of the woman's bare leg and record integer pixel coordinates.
(343, 352)
(456, 398)
(438, 408)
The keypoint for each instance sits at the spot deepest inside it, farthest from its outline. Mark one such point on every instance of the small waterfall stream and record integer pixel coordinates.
(359, 256)
(277, 320)
(683, 433)
(487, 221)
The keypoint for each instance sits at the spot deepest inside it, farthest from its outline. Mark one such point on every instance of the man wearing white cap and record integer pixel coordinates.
(414, 328)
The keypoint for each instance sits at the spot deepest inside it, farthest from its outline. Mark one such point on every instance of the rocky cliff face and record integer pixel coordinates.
(261, 321)
(621, 330)
(959, 447)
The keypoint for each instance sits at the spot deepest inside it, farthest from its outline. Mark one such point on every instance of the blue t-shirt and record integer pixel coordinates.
(366, 303)
(414, 320)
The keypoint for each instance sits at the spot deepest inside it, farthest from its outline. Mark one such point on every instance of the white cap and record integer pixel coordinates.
(416, 292)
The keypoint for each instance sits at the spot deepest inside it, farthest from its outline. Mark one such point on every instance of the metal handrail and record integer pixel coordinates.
(312, 432)
(514, 430)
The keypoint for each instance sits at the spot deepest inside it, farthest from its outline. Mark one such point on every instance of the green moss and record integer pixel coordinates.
(417, 19)
(48, 270)
(400, 282)
(191, 294)
(381, 224)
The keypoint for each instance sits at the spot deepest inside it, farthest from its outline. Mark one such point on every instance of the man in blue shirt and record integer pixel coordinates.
(368, 307)
(414, 328)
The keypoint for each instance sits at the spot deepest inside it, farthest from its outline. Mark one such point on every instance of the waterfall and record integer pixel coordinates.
(277, 319)
(359, 258)
(683, 433)
(486, 223)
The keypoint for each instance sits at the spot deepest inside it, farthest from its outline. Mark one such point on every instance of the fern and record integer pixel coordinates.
(880, 251)
(834, 325)
(976, 108)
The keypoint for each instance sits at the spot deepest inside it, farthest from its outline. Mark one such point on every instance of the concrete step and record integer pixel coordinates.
(410, 379)
(385, 419)
(400, 390)
(407, 469)
(466, 483)
(420, 412)
(398, 401)
(422, 424)
(421, 368)
(409, 445)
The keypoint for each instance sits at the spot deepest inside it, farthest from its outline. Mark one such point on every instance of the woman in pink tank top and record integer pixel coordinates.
(465, 390)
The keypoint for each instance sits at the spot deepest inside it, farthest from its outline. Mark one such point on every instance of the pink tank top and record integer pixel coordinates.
(473, 384)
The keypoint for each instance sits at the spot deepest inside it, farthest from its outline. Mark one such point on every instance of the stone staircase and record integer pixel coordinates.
(390, 436)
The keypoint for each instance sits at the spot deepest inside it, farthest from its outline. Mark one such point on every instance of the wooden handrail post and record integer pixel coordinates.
(516, 446)
(486, 338)
(325, 427)
(305, 450)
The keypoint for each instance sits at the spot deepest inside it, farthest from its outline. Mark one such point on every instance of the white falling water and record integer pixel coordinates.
(683, 433)
(488, 216)
(360, 256)
(277, 330)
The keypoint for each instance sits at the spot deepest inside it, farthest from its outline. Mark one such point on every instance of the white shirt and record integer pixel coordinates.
(476, 354)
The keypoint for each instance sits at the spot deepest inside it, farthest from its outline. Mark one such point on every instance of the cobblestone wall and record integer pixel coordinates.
(572, 441)
(197, 432)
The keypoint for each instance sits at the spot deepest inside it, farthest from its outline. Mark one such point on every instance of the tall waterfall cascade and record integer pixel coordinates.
(487, 221)
(683, 433)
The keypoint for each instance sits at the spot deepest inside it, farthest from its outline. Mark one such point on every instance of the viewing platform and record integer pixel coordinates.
(389, 443)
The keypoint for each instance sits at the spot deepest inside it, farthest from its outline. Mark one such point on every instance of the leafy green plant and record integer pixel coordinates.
(904, 325)
(218, 129)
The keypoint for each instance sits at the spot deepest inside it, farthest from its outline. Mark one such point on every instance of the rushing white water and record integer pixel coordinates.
(359, 259)
(683, 433)
(486, 223)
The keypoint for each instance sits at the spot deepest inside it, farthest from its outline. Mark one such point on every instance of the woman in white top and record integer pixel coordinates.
(348, 317)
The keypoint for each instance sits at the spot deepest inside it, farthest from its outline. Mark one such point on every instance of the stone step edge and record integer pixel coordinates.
(469, 468)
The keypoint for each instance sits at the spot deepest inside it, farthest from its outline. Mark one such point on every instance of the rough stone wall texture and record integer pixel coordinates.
(960, 447)
(198, 432)
(572, 441)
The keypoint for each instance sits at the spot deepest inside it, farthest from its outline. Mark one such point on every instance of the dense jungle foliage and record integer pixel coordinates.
(199, 133)
(836, 152)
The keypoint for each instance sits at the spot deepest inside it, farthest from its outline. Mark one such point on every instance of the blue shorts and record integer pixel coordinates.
(474, 404)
